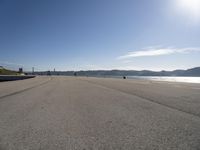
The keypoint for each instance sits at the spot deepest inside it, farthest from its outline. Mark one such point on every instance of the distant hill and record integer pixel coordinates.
(190, 72)
(4, 71)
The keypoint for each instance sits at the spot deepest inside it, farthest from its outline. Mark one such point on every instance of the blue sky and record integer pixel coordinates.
(100, 34)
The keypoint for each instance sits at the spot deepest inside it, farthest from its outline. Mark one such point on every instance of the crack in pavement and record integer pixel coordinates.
(24, 90)
(143, 98)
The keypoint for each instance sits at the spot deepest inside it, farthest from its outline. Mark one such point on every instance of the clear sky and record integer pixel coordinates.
(100, 34)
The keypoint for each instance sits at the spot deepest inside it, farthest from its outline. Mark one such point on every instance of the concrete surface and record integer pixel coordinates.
(61, 113)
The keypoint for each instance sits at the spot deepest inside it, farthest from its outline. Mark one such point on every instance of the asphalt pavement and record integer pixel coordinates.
(80, 113)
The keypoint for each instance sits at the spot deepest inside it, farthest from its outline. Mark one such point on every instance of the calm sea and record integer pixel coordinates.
(170, 79)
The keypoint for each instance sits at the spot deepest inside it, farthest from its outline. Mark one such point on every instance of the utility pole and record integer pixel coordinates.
(32, 70)
(54, 71)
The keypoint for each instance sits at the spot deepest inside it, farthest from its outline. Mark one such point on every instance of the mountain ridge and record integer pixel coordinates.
(192, 72)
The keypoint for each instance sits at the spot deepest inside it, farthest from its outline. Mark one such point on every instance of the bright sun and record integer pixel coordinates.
(190, 8)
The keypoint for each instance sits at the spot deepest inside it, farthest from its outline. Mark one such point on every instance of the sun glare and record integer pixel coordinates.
(190, 8)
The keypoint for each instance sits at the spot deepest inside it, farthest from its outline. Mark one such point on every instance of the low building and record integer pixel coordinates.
(20, 70)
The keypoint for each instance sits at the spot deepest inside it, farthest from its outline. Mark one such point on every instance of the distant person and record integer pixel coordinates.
(75, 74)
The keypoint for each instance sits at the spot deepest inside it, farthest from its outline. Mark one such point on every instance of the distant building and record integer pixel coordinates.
(48, 73)
(20, 70)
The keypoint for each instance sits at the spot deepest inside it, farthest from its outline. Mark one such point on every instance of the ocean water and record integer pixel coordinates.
(169, 79)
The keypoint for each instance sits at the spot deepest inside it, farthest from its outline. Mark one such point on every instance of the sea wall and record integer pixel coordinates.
(13, 77)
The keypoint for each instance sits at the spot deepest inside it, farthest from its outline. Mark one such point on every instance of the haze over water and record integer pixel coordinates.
(170, 79)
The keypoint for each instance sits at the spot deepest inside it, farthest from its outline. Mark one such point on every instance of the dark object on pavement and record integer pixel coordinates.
(124, 77)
